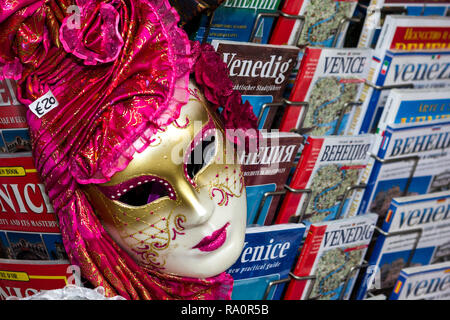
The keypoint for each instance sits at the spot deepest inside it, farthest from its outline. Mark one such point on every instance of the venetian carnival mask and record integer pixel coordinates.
(180, 205)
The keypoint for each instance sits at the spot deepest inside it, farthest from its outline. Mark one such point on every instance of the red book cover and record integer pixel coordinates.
(22, 279)
(24, 203)
(12, 112)
(305, 262)
(291, 203)
(284, 26)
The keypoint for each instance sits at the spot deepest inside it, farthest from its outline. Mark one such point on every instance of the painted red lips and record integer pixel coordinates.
(214, 241)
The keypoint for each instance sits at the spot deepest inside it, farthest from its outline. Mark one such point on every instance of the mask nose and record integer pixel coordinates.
(197, 206)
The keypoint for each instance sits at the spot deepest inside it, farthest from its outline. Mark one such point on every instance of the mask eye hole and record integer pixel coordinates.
(139, 191)
(200, 156)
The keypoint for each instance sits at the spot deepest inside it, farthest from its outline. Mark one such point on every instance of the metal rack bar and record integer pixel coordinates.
(263, 201)
(208, 26)
(386, 10)
(348, 278)
(268, 106)
(277, 14)
(346, 194)
(342, 113)
(400, 159)
(292, 276)
(388, 87)
(341, 27)
(299, 218)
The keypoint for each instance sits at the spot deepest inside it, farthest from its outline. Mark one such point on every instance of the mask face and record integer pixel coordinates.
(180, 205)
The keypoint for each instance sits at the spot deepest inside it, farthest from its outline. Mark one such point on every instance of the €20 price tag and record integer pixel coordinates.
(44, 104)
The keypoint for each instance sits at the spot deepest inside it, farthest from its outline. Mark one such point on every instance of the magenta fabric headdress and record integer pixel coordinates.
(119, 70)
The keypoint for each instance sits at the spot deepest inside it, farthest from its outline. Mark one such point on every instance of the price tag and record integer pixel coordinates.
(44, 104)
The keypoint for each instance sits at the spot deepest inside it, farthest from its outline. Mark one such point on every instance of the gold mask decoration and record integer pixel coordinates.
(180, 205)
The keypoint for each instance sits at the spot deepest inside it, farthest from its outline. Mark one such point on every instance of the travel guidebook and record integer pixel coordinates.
(320, 26)
(330, 252)
(30, 238)
(328, 165)
(234, 20)
(419, 69)
(269, 254)
(266, 169)
(328, 79)
(406, 105)
(14, 135)
(259, 71)
(428, 212)
(375, 16)
(429, 142)
(430, 282)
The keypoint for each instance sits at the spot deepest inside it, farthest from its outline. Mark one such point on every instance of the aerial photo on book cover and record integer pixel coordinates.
(259, 71)
(329, 80)
(422, 149)
(319, 26)
(423, 218)
(266, 170)
(269, 254)
(330, 252)
(430, 282)
(327, 166)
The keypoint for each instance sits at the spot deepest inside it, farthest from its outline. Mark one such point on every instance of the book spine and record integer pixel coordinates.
(292, 202)
(284, 27)
(296, 288)
(371, 22)
(308, 65)
(399, 284)
(380, 71)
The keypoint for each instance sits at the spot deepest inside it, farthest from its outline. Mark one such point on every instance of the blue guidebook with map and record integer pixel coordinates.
(422, 219)
(269, 254)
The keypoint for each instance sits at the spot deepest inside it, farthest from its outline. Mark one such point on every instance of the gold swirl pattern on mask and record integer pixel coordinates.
(231, 186)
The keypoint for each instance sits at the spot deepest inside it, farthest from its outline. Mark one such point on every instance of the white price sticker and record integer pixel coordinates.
(44, 104)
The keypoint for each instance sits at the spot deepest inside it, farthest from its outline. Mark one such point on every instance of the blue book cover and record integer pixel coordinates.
(269, 254)
(429, 142)
(420, 69)
(260, 72)
(429, 213)
(430, 282)
(406, 105)
(266, 169)
(234, 20)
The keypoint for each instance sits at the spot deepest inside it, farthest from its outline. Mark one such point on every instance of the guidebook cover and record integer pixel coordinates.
(328, 79)
(269, 254)
(14, 135)
(320, 27)
(423, 283)
(328, 166)
(259, 71)
(429, 142)
(267, 169)
(428, 212)
(419, 105)
(420, 69)
(234, 20)
(375, 16)
(31, 246)
(330, 251)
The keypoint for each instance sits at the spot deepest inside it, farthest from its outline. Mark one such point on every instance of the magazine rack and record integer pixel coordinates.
(287, 188)
(295, 278)
(401, 159)
(341, 27)
(277, 14)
